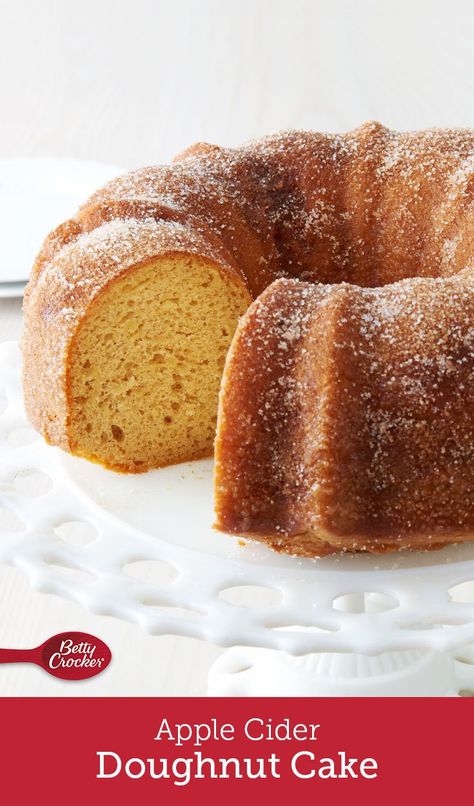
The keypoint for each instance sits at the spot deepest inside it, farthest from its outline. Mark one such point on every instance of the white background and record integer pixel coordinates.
(133, 82)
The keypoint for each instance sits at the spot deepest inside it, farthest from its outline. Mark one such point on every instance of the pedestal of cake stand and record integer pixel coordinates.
(248, 672)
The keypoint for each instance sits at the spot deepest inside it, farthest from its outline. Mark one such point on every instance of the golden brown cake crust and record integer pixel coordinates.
(346, 418)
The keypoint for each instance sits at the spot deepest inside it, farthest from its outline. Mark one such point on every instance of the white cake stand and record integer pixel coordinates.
(142, 548)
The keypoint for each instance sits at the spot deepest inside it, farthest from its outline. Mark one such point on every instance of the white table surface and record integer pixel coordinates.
(132, 83)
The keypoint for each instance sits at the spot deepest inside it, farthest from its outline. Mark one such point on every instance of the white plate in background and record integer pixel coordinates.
(11, 290)
(35, 196)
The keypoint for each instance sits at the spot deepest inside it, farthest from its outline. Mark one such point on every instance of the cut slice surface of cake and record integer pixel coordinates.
(130, 375)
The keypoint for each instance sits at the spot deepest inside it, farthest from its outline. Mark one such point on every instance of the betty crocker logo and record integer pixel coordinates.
(68, 655)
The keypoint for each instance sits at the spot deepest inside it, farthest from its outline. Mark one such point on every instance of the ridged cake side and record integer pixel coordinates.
(360, 436)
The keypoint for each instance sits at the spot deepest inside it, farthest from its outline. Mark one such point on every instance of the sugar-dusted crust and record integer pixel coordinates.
(346, 418)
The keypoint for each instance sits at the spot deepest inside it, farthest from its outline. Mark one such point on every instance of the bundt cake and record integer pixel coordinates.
(345, 409)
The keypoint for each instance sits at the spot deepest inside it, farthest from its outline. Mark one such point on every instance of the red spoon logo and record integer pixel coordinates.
(68, 655)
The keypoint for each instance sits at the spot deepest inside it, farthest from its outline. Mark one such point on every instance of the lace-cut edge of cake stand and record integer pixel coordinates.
(247, 672)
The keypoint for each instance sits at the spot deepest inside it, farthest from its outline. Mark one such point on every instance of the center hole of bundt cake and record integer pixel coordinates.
(147, 363)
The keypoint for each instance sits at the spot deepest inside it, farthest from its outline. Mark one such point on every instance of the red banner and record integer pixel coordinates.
(235, 751)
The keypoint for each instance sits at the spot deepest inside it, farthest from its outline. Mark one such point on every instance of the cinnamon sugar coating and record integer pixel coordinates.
(346, 417)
